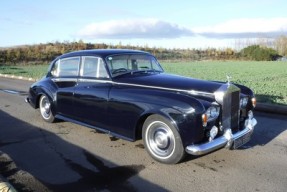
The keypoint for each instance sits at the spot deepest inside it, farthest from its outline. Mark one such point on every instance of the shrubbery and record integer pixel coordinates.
(44, 53)
(257, 53)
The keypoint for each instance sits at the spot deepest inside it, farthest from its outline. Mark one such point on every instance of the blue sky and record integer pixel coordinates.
(160, 23)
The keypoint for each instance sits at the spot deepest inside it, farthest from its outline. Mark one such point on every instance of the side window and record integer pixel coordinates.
(93, 67)
(55, 69)
(144, 64)
(66, 67)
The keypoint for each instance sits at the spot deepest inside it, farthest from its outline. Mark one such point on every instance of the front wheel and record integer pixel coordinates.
(45, 109)
(162, 140)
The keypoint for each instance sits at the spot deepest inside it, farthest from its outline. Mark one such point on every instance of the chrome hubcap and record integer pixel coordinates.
(45, 107)
(160, 139)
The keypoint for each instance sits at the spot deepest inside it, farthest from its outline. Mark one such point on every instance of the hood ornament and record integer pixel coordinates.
(228, 79)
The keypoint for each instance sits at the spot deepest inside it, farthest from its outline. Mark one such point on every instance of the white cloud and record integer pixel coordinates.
(245, 28)
(134, 28)
(157, 29)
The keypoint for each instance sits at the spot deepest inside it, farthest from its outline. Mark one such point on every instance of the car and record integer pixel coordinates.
(127, 94)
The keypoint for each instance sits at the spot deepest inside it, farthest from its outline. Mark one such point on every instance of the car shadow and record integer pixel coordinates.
(57, 164)
(269, 127)
(263, 98)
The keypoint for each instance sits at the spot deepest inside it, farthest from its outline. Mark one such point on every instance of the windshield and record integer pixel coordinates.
(132, 63)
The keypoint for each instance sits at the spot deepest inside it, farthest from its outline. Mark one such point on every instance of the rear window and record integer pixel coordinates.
(66, 67)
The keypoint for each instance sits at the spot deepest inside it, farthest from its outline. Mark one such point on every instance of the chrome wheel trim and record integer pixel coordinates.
(45, 107)
(160, 140)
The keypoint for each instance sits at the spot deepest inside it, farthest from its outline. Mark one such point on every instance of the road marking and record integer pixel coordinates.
(9, 91)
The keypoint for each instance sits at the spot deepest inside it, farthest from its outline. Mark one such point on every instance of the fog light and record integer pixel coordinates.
(243, 102)
(212, 133)
(251, 121)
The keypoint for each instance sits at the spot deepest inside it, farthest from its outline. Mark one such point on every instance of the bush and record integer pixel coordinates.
(257, 53)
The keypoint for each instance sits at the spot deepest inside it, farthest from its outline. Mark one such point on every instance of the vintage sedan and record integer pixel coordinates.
(126, 94)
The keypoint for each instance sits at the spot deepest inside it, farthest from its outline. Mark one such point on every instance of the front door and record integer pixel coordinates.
(92, 92)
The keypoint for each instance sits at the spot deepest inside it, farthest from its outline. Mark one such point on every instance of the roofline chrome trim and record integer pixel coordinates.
(191, 92)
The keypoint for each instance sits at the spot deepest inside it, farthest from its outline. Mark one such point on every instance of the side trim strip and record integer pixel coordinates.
(64, 79)
(191, 92)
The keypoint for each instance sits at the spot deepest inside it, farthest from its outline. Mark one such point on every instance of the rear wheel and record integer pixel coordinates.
(45, 109)
(162, 140)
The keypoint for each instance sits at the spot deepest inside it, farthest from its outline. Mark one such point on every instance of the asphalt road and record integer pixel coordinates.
(38, 156)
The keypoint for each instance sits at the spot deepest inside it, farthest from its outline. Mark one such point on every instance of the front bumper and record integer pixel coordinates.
(27, 100)
(228, 140)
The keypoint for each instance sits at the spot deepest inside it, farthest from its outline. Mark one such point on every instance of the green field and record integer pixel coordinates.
(267, 79)
(30, 71)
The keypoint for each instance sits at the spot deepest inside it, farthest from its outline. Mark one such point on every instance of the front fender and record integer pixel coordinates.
(183, 110)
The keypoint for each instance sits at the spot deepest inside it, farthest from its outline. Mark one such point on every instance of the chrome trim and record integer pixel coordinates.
(64, 79)
(226, 140)
(223, 91)
(228, 96)
(95, 80)
(27, 100)
(191, 92)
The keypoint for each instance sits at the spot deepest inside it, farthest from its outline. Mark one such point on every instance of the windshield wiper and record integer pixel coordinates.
(120, 72)
(146, 71)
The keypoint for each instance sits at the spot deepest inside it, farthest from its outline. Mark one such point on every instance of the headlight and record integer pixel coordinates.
(211, 114)
(243, 102)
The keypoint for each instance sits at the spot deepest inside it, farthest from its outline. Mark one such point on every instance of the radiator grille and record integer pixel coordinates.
(230, 106)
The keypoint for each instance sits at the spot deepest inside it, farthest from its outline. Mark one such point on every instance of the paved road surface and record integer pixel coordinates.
(37, 156)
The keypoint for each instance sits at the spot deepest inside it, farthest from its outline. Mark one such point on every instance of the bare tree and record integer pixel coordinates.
(281, 45)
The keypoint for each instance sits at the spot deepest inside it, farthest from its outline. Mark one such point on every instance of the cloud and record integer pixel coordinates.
(158, 29)
(134, 28)
(245, 28)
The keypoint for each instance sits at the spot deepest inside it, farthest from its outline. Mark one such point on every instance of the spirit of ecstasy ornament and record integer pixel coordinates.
(228, 79)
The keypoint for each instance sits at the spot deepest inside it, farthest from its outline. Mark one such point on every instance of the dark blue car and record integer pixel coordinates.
(126, 93)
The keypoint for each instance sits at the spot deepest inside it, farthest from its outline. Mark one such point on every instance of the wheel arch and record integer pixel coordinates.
(46, 92)
(162, 112)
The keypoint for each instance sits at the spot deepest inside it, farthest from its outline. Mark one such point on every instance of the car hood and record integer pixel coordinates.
(168, 81)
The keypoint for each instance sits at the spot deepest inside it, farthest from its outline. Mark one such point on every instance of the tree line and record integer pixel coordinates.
(44, 53)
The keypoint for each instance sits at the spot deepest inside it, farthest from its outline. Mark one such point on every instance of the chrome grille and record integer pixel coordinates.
(228, 96)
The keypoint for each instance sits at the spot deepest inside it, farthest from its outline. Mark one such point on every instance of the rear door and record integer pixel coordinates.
(64, 75)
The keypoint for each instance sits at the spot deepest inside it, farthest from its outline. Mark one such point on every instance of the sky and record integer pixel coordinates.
(156, 23)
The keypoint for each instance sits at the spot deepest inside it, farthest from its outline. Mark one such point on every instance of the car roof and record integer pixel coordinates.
(102, 52)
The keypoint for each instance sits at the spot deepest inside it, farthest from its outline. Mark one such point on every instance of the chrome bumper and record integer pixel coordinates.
(27, 100)
(226, 140)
